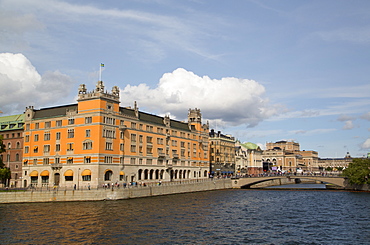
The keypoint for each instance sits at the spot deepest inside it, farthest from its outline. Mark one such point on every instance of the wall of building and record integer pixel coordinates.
(113, 194)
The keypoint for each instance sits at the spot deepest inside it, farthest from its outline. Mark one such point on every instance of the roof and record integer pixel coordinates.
(12, 122)
(154, 119)
(250, 145)
(54, 111)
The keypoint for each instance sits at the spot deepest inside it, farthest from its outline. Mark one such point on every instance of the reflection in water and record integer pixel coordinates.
(217, 217)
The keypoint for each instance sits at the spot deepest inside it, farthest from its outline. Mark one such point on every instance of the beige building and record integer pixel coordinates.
(222, 154)
(287, 156)
(335, 163)
(248, 158)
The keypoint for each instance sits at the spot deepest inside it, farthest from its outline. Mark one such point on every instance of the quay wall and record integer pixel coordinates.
(112, 193)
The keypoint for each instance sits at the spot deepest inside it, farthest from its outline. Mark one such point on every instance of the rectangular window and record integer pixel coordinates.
(58, 123)
(71, 133)
(57, 160)
(35, 149)
(149, 161)
(69, 146)
(133, 125)
(88, 120)
(27, 138)
(133, 148)
(36, 137)
(71, 121)
(35, 161)
(47, 136)
(87, 133)
(45, 161)
(37, 125)
(133, 137)
(140, 139)
(121, 147)
(46, 148)
(149, 150)
(87, 159)
(108, 159)
(149, 139)
(132, 160)
(26, 149)
(109, 146)
(57, 136)
(87, 145)
(86, 178)
(69, 160)
(47, 124)
(57, 147)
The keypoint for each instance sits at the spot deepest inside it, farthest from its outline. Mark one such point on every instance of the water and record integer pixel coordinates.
(217, 217)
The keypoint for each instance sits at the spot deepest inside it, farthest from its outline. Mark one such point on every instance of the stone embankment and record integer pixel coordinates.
(166, 188)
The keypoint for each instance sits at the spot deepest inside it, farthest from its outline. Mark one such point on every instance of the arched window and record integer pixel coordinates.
(17, 157)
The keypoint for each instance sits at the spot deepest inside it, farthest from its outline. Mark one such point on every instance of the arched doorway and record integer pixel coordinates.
(56, 179)
(108, 175)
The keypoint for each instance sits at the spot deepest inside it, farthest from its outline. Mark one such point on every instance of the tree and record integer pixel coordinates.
(5, 174)
(358, 171)
(2, 150)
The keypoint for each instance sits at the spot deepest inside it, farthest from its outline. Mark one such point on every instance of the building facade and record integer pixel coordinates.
(254, 158)
(11, 129)
(222, 154)
(287, 156)
(335, 163)
(96, 142)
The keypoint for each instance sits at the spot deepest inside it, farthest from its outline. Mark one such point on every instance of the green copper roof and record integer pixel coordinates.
(12, 122)
(250, 145)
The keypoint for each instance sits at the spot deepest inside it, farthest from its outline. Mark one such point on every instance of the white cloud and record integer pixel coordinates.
(366, 144)
(21, 85)
(366, 116)
(229, 100)
(348, 125)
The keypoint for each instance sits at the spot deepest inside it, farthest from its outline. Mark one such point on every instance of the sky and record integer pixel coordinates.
(259, 70)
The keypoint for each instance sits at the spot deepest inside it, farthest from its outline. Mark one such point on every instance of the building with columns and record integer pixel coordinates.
(96, 142)
(287, 156)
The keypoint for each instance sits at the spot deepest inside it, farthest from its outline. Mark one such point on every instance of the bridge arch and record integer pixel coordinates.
(246, 183)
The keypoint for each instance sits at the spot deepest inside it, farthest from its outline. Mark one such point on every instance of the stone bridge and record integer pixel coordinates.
(246, 183)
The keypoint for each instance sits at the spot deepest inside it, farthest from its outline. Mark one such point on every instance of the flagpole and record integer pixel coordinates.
(100, 73)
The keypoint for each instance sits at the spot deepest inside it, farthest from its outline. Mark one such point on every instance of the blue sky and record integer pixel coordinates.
(262, 71)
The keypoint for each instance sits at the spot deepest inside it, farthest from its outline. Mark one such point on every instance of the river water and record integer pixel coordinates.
(214, 217)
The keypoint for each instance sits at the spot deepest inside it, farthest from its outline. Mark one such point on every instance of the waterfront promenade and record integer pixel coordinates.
(113, 193)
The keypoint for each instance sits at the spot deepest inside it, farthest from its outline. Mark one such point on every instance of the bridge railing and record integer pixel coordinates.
(314, 174)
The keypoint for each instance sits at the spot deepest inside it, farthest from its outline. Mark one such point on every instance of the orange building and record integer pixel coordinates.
(97, 142)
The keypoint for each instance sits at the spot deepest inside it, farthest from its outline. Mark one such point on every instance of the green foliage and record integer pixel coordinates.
(358, 171)
(4, 175)
(329, 169)
(2, 150)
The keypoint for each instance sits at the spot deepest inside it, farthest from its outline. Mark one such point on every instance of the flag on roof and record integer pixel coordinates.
(101, 65)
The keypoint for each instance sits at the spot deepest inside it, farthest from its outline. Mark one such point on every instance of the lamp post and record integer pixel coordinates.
(78, 179)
